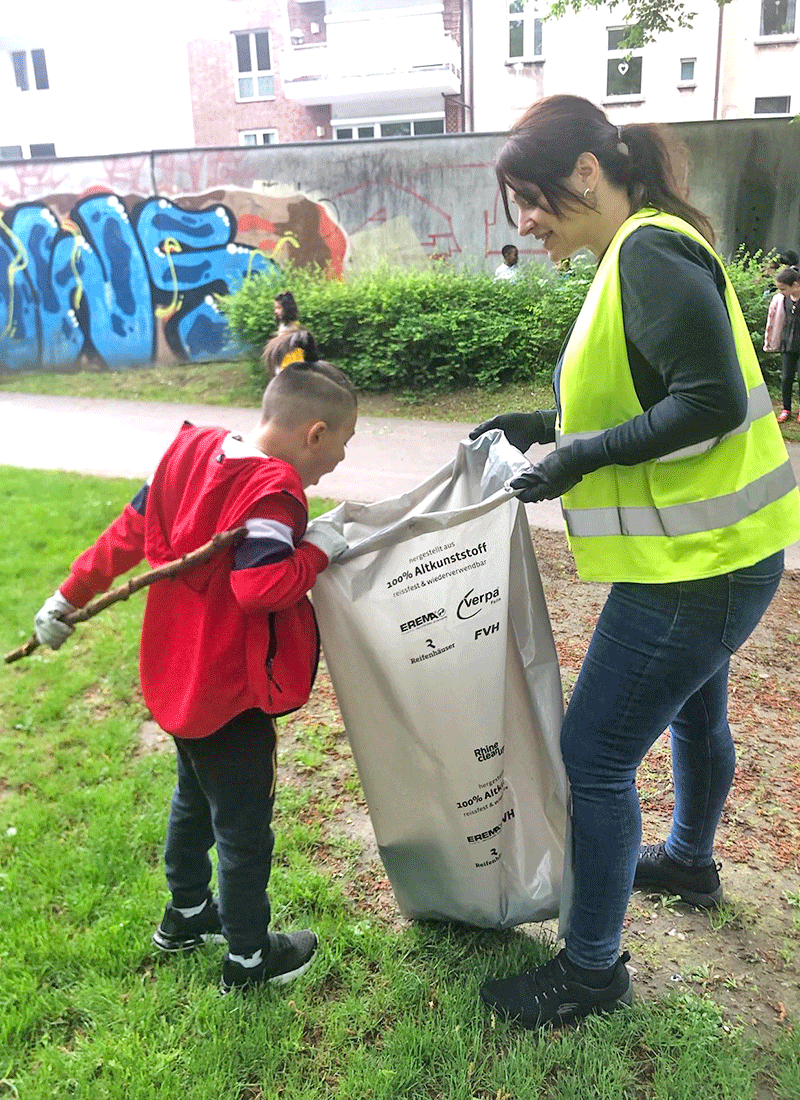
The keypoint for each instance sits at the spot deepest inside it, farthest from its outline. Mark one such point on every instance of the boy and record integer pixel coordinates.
(228, 646)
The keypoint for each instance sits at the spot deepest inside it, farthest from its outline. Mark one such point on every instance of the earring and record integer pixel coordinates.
(590, 202)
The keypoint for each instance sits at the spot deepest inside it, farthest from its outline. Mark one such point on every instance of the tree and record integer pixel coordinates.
(646, 18)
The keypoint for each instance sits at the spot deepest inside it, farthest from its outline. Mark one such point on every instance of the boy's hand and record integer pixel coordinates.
(48, 624)
(325, 537)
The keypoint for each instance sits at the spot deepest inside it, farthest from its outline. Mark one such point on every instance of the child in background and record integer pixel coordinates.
(286, 312)
(228, 646)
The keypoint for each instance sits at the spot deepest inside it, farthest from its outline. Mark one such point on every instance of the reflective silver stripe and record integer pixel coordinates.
(683, 519)
(759, 404)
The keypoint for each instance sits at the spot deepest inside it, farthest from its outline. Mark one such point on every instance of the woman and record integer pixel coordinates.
(286, 312)
(788, 283)
(675, 487)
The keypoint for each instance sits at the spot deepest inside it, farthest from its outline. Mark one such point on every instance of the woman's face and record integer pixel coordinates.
(786, 290)
(278, 310)
(561, 235)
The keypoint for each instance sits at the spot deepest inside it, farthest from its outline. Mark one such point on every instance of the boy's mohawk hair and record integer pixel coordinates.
(309, 391)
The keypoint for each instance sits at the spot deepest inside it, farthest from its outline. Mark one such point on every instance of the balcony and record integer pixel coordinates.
(374, 54)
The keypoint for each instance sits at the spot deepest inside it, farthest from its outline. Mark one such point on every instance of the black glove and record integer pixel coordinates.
(521, 430)
(552, 477)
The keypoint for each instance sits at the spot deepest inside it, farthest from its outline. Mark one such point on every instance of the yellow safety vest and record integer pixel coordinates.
(699, 512)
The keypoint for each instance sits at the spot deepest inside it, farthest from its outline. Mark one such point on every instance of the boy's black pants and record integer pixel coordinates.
(224, 796)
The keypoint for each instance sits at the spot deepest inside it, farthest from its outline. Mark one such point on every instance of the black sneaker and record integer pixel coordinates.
(657, 873)
(552, 994)
(288, 956)
(179, 933)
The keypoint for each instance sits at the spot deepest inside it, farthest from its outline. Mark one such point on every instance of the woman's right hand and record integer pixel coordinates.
(521, 430)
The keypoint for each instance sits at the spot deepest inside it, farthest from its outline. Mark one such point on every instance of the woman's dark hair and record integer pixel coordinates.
(788, 276)
(788, 257)
(544, 145)
(288, 305)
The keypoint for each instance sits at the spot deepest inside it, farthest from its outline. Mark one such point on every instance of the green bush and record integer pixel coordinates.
(754, 289)
(443, 329)
(436, 330)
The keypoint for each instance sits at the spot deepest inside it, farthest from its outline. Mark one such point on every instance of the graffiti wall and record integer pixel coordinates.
(119, 261)
(118, 280)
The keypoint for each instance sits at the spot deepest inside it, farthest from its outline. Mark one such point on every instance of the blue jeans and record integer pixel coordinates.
(224, 796)
(659, 657)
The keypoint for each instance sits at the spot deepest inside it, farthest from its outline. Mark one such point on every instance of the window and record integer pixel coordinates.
(258, 137)
(395, 127)
(254, 76)
(772, 105)
(624, 74)
(777, 17)
(524, 30)
(687, 69)
(45, 149)
(30, 69)
(10, 152)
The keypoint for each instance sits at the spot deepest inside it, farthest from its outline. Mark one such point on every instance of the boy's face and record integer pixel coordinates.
(327, 449)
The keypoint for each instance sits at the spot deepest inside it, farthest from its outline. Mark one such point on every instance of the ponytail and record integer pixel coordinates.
(544, 145)
(296, 345)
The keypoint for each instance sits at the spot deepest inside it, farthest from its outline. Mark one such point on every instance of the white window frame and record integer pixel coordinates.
(29, 75)
(623, 55)
(772, 114)
(529, 17)
(254, 73)
(688, 81)
(26, 151)
(259, 135)
(781, 36)
(354, 123)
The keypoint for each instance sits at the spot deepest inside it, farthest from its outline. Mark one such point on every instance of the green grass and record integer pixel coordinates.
(231, 384)
(89, 1009)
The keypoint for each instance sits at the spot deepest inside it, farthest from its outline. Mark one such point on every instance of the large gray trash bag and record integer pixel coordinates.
(438, 642)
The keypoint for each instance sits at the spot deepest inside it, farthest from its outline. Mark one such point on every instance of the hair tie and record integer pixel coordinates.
(621, 146)
(296, 355)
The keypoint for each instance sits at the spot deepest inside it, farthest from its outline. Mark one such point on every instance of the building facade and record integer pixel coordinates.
(220, 73)
(307, 70)
(737, 60)
(76, 81)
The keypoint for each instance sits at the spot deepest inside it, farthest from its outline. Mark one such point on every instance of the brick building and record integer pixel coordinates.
(269, 71)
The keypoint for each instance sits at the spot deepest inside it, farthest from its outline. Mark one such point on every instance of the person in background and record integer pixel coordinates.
(509, 268)
(286, 312)
(676, 488)
(226, 647)
(788, 283)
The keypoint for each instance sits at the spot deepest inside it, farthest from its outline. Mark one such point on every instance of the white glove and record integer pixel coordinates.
(325, 537)
(48, 623)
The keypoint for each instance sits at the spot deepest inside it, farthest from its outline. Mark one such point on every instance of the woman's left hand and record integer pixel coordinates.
(554, 475)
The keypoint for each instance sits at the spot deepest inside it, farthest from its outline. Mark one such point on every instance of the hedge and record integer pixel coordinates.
(443, 329)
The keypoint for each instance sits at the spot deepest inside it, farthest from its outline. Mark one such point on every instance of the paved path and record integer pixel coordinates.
(385, 458)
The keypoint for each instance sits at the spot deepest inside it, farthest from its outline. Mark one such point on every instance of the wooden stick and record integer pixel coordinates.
(202, 554)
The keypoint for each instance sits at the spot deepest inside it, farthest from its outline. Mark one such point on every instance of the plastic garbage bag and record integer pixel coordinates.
(438, 642)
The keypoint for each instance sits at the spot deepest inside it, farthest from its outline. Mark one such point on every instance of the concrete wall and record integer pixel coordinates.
(119, 260)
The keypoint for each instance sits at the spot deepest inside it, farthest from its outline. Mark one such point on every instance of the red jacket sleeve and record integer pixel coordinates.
(273, 569)
(119, 548)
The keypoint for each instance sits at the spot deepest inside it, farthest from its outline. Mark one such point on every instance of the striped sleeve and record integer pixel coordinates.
(267, 541)
(269, 571)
